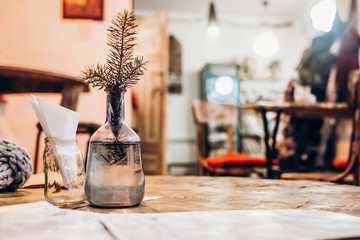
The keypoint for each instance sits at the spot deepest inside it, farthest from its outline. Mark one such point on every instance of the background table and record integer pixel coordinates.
(14, 80)
(18, 80)
(315, 110)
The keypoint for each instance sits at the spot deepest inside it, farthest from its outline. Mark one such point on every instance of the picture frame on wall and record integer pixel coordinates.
(83, 9)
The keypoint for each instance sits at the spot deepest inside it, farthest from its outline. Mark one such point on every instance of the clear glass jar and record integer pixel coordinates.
(114, 171)
(64, 172)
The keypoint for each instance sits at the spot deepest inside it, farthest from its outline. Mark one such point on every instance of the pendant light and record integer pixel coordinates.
(266, 43)
(213, 29)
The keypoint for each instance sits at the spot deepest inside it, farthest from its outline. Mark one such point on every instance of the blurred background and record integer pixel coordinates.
(255, 44)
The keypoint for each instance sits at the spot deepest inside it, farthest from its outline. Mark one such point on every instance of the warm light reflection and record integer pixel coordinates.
(77, 2)
(323, 14)
(224, 85)
(266, 44)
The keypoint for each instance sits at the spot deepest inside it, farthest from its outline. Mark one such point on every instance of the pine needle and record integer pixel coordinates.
(122, 70)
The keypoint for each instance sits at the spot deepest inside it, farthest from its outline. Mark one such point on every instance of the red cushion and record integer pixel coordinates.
(239, 159)
(340, 162)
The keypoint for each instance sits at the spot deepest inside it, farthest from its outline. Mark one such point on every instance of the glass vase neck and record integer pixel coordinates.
(115, 109)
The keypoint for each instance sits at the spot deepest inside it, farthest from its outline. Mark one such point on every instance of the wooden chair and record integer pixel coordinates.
(353, 101)
(230, 163)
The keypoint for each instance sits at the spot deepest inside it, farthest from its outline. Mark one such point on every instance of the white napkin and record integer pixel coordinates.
(60, 123)
(56, 120)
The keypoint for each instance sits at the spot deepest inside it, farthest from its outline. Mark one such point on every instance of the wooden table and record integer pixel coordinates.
(315, 110)
(193, 193)
(193, 207)
(14, 80)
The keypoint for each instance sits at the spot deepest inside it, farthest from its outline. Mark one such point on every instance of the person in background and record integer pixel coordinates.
(309, 143)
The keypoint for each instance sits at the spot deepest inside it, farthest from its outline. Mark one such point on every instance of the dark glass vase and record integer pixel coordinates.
(114, 172)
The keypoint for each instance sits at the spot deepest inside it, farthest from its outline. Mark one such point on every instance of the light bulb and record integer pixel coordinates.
(213, 30)
(323, 14)
(266, 44)
(224, 85)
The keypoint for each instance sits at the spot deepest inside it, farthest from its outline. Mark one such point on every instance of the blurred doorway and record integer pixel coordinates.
(150, 93)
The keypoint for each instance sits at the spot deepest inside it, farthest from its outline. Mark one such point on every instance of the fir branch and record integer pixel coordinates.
(96, 76)
(122, 70)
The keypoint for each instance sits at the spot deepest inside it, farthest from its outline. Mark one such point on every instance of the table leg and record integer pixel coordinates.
(5, 131)
(277, 121)
(271, 151)
(70, 96)
(267, 146)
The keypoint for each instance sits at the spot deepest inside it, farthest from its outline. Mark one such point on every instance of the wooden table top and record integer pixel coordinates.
(25, 80)
(319, 109)
(193, 193)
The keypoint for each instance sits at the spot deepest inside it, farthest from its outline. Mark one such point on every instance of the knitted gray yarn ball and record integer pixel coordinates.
(15, 166)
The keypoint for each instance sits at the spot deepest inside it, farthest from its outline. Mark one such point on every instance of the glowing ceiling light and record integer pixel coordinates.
(213, 29)
(224, 85)
(323, 14)
(266, 44)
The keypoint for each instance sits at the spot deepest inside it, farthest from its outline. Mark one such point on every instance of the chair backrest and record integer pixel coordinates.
(210, 112)
(353, 89)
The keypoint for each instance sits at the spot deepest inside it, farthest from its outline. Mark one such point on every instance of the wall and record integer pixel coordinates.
(33, 34)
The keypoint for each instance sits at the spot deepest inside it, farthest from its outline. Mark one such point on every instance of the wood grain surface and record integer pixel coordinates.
(193, 193)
